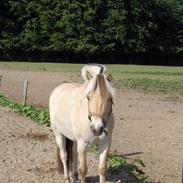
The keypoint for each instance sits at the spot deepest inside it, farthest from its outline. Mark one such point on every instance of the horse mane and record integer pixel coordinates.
(98, 80)
(93, 69)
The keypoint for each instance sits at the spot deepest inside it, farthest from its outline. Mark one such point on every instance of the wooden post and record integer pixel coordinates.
(182, 173)
(0, 80)
(25, 92)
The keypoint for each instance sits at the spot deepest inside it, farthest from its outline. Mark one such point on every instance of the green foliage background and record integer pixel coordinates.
(92, 27)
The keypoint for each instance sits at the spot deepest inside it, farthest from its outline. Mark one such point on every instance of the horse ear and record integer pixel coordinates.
(109, 78)
(88, 76)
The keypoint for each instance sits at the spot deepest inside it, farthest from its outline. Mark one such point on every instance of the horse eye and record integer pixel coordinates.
(89, 117)
(88, 97)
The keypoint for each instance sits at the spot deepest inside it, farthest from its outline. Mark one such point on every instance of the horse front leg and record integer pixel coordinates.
(104, 147)
(82, 151)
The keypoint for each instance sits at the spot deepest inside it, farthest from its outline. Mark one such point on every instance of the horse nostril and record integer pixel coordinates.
(101, 129)
(92, 129)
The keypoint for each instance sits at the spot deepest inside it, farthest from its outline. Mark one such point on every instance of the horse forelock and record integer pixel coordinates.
(101, 85)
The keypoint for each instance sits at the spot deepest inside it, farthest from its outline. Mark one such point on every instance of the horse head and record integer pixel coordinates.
(99, 94)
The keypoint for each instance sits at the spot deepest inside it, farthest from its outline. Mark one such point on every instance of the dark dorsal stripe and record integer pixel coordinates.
(101, 69)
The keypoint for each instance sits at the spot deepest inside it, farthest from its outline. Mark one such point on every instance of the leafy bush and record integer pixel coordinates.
(90, 27)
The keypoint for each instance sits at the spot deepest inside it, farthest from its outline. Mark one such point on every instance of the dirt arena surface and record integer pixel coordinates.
(28, 151)
(147, 126)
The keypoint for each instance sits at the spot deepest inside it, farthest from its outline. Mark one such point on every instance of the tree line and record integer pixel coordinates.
(91, 27)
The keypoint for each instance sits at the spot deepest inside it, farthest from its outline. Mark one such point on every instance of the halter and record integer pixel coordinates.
(104, 121)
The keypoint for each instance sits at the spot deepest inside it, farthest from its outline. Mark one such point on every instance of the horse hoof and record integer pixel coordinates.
(66, 180)
(75, 181)
(75, 178)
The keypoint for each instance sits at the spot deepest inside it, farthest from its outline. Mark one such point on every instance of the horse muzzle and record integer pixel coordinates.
(97, 130)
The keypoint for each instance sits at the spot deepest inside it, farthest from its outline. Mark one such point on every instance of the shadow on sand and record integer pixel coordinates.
(123, 177)
(124, 171)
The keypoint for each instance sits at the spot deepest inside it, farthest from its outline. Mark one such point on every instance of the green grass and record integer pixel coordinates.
(142, 78)
(50, 67)
(35, 114)
(149, 78)
(116, 163)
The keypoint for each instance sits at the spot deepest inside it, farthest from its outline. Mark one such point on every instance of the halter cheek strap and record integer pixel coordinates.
(104, 121)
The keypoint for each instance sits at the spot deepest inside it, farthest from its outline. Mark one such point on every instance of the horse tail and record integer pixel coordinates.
(68, 146)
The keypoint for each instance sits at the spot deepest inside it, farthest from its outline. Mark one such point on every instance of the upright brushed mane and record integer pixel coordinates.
(96, 72)
(93, 69)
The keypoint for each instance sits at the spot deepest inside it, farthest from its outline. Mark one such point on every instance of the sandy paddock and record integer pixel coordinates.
(147, 126)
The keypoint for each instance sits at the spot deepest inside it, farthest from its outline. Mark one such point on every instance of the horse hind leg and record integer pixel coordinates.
(63, 164)
(59, 162)
(74, 163)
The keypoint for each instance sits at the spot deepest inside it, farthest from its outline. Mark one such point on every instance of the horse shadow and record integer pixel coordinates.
(128, 173)
(123, 177)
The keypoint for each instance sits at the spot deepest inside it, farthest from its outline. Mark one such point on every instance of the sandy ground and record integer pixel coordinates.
(147, 126)
(28, 151)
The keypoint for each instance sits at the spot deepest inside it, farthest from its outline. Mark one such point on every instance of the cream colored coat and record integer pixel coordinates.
(69, 111)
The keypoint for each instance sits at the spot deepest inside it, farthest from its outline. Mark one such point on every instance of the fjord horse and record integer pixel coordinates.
(80, 116)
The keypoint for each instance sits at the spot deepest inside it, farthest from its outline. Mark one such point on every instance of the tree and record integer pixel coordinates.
(92, 27)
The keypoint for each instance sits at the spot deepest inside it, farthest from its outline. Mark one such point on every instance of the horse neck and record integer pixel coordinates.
(82, 93)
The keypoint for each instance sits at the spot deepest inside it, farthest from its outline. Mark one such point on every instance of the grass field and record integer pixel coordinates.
(142, 78)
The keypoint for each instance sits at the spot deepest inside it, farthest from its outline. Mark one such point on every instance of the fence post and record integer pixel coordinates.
(25, 92)
(182, 173)
(0, 79)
